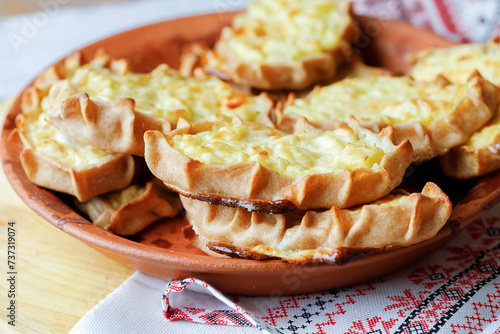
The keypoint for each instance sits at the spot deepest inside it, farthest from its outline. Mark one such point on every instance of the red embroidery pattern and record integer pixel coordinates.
(281, 311)
(486, 230)
(407, 302)
(484, 313)
(232, 314)
(460, 20)
(431, 276)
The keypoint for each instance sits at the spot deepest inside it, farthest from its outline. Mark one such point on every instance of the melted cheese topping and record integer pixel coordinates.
(457, 63)
(293, 155)
(390, 100)
(119, 198)
(51, 142)
(165, 93)
(274, 31)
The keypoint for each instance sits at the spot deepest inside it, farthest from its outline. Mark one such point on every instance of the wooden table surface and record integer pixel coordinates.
(59, 278)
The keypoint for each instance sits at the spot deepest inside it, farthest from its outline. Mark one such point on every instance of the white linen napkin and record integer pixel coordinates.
(136, 307)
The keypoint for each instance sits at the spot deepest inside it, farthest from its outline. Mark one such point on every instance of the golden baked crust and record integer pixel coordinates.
(111, 108)
(478, 156)
(435, 117)
(331, 236)
(114, 173)
(130, 210)
(346, 167)
(458, 62)
(55, 161)
(266, 49)
(114, 125)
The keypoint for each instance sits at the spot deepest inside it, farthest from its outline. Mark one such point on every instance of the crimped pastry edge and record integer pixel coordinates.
(477, 107)
(319, 237)
(418, 57)
(113, 173)
(257, 188)
(293, 75)
(115, 125)
(132, 217)
(464, 162)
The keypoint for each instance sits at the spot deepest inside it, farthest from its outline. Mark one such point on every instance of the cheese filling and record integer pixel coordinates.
(166, 94)
(294, 155)
(119, 198)
(274, 31)
(457, 63)
(389, 100)
(489, 135)
(51, 142)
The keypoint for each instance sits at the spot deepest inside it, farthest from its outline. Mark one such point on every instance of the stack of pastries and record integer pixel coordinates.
(306, 171)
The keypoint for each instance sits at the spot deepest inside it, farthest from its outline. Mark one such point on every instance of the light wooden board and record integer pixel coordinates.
(59, 278)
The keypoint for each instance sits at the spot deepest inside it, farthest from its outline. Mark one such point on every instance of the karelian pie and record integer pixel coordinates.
(435, 116)
(130, 210)
(332, 236)
(457, 63)
(54, 160)
(285, 44)
(260, 168)
(110, 107)
(480, 155)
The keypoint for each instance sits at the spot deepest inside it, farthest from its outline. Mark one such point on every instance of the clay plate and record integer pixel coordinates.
(161, 251)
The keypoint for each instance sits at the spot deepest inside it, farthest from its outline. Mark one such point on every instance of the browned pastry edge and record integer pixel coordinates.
(334, 236)
(476, 108)
(453, 74)
(135, 215)
(465, 162)
(293, 75)
(243, 184)
(274, 207)
(341, 255)
(115, 125)
(113, 173)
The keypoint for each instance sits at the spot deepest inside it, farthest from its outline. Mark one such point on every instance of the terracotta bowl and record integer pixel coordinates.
(161, 251)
